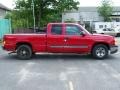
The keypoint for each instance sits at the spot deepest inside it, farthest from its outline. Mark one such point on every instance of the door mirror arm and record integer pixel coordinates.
(83, 33)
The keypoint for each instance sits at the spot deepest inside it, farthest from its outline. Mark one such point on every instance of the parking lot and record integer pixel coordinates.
(59, 72)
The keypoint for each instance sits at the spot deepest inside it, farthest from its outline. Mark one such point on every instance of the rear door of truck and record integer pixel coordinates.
(55, 38)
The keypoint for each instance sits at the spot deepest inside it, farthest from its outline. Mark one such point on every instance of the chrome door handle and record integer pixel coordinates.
(65, 40)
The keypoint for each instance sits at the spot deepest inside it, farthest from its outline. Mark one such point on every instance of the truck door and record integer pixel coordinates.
(75, 42)
(55, 38)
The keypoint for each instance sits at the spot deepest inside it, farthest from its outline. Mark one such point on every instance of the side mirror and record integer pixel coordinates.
(83, 33)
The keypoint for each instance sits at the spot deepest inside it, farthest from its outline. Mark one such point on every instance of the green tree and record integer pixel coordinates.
(19, 20)
(45, 11)
(105, 10)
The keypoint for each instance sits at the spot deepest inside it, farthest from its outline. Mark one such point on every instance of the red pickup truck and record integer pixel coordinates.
(61, 38)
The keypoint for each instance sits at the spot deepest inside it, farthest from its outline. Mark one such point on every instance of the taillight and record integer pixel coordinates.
(3, 42)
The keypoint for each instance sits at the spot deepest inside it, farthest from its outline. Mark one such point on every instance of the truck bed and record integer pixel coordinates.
(36, 40)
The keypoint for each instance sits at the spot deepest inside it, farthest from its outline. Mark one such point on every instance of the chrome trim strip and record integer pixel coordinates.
(82, 46)
(57, 46)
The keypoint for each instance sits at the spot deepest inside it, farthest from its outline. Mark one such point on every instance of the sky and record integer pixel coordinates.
(10, 3)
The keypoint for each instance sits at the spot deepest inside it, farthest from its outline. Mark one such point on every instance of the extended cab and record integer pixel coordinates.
(61, 38)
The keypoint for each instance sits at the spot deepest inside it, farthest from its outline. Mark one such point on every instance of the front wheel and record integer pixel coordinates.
(100, 51)
(24, 52)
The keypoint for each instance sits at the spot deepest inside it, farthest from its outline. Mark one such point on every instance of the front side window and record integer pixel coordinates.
(73, 30)
(56, 29)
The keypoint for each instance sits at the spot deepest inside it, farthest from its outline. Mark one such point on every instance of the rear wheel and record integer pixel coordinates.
(24, 52)
(100, 51)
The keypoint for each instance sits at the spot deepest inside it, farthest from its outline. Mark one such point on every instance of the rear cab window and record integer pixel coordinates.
(56, 29)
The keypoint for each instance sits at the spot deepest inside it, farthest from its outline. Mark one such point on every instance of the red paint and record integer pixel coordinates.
(56, 43)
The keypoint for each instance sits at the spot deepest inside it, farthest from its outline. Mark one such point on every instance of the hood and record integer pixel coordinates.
(102, 37)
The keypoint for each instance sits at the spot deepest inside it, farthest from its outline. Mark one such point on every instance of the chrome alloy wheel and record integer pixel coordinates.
(100, 52)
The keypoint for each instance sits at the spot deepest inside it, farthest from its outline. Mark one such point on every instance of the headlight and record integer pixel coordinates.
(116, 41)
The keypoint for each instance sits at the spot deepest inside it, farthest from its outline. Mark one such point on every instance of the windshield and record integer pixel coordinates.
(85, 30)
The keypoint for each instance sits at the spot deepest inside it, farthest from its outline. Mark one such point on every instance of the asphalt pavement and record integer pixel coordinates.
(59, 72)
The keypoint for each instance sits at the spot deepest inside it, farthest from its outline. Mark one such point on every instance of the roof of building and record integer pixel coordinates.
(93, 9)
(4, 7)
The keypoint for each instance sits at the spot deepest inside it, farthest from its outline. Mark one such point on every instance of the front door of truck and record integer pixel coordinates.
(55, 38)
(75, 42)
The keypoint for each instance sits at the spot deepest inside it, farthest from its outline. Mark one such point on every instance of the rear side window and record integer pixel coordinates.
(56, 29)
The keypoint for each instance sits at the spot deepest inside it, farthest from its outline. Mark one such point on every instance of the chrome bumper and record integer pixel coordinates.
(113, 49)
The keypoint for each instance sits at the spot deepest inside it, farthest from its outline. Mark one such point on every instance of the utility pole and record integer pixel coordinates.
(33, 9)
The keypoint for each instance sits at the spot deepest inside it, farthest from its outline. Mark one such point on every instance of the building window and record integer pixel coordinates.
(100, 26)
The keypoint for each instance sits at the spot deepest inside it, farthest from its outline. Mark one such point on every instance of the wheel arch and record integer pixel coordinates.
(23, 43)
(102, 43)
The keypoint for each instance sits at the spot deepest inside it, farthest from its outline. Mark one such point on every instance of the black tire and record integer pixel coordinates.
(100, 51)
(24, 52)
